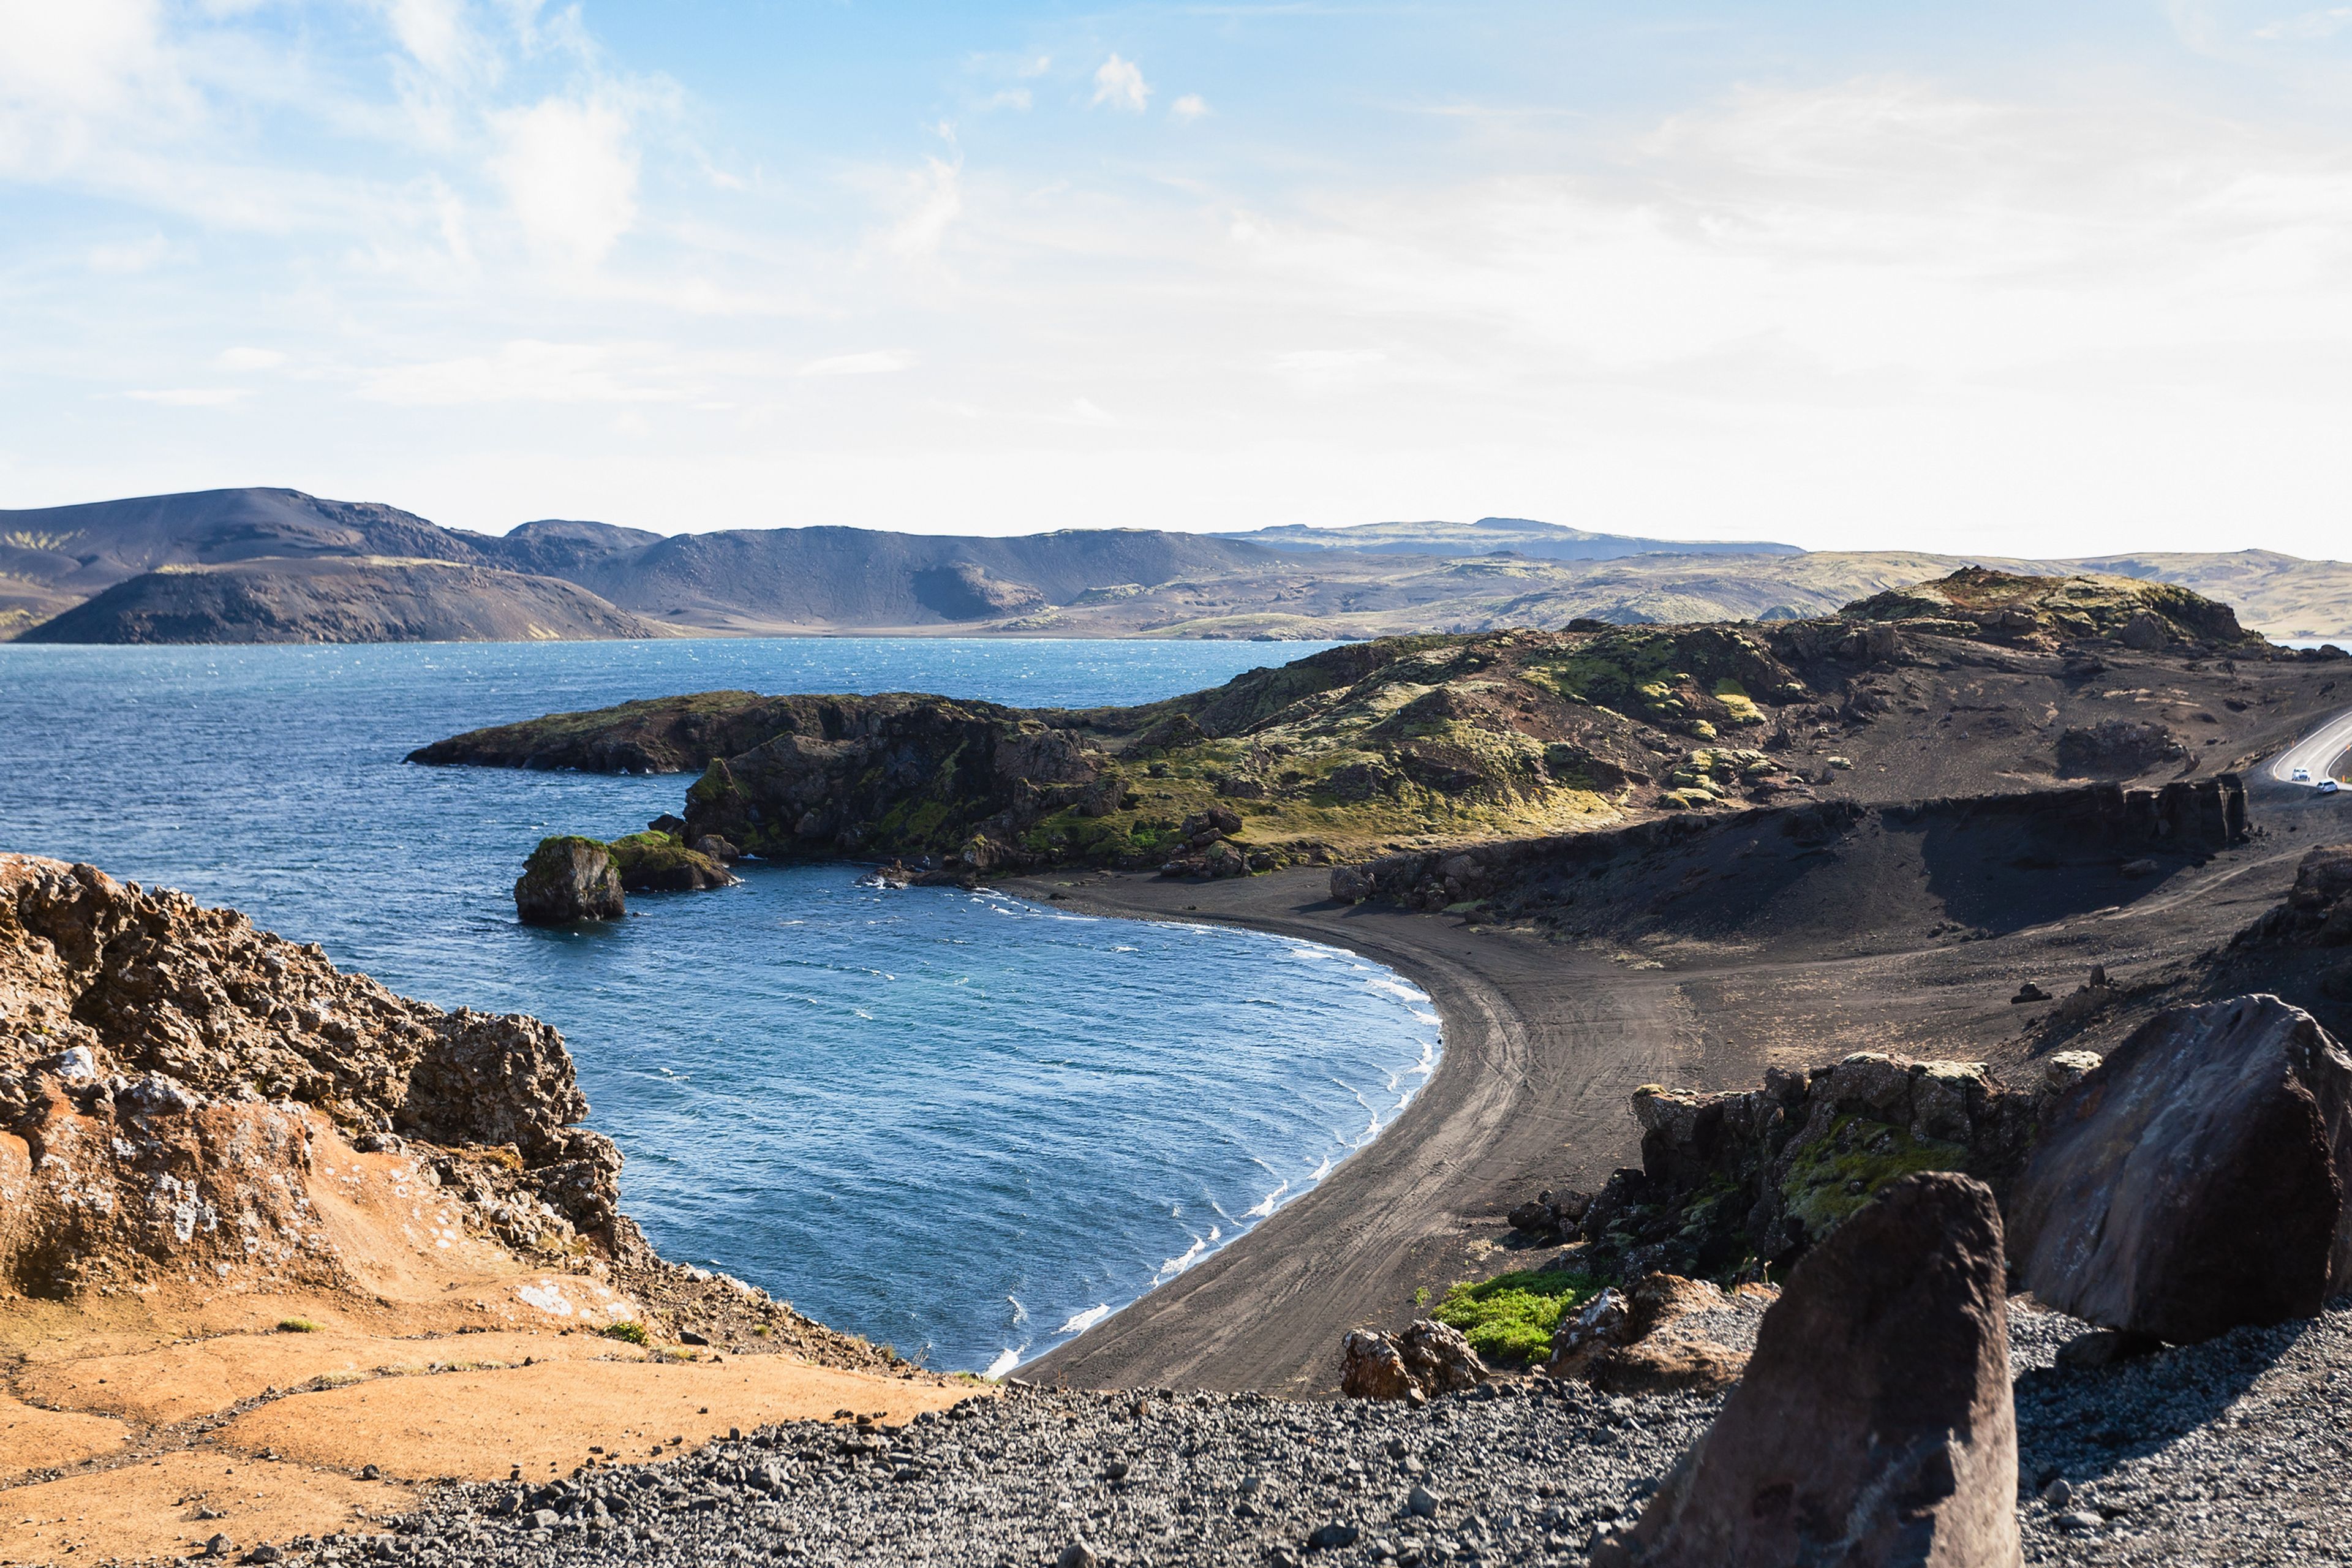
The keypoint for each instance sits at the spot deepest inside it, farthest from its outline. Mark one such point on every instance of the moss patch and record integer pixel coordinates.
(1511, 1317)
(1831, 1178)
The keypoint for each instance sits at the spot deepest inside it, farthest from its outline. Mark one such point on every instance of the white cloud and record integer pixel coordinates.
(433, 32)
(2310, 25)
(1013, 97)
(1119, 83)
(1189, 107)
(881, 363)
(929, 202)
(190, 396)
(570, 175)
(1319, 369)
(1038, 66)
(249, 359)
(525, 370)
(130, 256)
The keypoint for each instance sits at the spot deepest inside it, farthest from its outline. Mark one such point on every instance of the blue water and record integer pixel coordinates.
(956, 1123)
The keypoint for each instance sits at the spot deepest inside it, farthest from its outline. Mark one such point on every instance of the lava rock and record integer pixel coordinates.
(1875, 1425)
(1371, 1367)
(568, 879)
(2199, 1179)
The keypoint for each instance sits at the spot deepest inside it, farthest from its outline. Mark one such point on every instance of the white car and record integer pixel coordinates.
(2329, 786)
(2302, 775)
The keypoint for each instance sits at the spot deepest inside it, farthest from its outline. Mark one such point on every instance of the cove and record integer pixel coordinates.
(956, 1122)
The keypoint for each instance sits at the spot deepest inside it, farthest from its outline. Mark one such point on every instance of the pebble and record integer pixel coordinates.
(2226, 1451)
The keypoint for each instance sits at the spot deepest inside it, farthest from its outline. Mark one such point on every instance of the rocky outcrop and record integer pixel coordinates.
(2116, 748)
(2047, 612)
(654, 862)
(2316, 913)
(1746, 1178)
(164, 1069)
(2199, 1179)
(964, 783)
(1875, 1425)
(568, 879)
(1429, 1357)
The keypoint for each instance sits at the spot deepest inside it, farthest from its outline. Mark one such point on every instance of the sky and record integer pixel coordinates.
(1992, 278)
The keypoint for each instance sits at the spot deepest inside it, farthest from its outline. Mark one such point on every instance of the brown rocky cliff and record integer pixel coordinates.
(162, 1066)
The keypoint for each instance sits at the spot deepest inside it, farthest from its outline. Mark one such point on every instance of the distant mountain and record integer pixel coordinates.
(1489, 536)
(813, 579)
(82, 549)
(572, 578)
(338, 599)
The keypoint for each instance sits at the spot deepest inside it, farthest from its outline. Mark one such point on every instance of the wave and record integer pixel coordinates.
(1081, 1321)
(1020, 1312)
(1396, 989)
(1177, 1265)
(1265, 1206)
(1005, 1361)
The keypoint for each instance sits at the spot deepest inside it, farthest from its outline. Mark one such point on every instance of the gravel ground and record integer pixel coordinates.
(2232, 1451)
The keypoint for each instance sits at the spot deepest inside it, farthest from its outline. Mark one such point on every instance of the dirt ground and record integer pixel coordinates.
(140, 1425)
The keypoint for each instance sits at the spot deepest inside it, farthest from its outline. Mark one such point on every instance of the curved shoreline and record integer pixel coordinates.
(1541, 1047)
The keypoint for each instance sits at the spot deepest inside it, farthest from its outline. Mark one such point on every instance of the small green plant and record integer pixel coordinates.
(297, 1326)
(634, 1333)
(1421, 1296)
(1511, 1317)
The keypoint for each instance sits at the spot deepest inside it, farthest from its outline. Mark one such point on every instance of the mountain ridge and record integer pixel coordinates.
(1264, 585)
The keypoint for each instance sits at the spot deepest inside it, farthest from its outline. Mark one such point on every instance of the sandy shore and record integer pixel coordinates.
(1542, 1047)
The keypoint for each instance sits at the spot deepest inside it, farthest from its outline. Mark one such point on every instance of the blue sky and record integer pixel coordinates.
(2000, 277)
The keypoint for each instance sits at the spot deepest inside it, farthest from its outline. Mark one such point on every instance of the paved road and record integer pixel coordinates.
(2316, 752)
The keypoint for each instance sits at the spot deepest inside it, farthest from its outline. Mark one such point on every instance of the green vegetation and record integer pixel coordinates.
(1511, 1317)
(632, 1332)
(1831, 1178)
(298, 1326)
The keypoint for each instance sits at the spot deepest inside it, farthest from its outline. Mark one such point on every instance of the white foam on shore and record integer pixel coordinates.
(1265, 1206)
(1006, 1360)
(1081, 1321)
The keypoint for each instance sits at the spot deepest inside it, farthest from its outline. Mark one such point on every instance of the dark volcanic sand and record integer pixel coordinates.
(1545, 1041)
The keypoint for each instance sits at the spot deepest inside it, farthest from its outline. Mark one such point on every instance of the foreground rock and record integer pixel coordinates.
(1876, 1423)
(2200, 1179)
(568, 879)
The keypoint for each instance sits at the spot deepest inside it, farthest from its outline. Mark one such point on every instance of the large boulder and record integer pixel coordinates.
(2198, 1179)
(1429, 1357)
(1876, 1423)
(568, 879)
